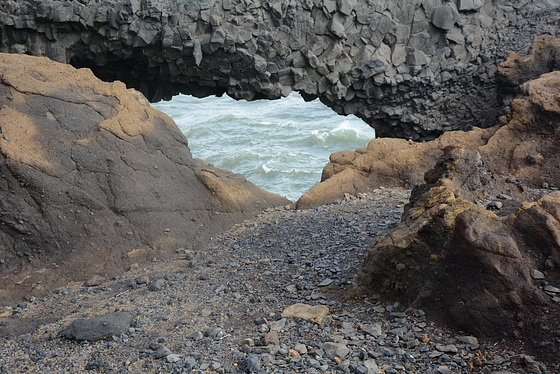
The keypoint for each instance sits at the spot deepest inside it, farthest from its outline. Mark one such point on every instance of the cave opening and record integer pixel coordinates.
(280, 145)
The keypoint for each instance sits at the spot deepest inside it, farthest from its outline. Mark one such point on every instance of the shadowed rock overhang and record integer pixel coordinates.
(410, 69)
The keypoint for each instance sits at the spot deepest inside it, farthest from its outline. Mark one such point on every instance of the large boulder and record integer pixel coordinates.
(522, 145)
(92, 176)
(477, 270)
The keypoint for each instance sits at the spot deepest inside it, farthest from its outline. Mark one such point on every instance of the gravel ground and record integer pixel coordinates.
(220, 309)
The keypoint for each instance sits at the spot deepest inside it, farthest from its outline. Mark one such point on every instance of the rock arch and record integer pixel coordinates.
(409, 68)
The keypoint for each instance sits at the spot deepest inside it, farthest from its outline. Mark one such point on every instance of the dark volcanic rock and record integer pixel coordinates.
(92, 177)
(410, 69)
(98, 328)
(523, 145)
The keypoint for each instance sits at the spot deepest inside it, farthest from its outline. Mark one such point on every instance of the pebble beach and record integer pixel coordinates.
(272, 295)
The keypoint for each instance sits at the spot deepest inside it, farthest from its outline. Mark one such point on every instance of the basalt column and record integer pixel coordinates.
(409, 68)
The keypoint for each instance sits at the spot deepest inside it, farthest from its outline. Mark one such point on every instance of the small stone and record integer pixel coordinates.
(494, 205)
(450, 348)
(214, 333)
(190, 363)
(144, 279)
(263, 327)
(336, 349)
(552, 289)
(214, 366)
(468, 340)
(98, 328)
(373, 330)
(368, 367)
(291, 288)
(205, 312)
(157, 285)
(326, 282)
(271, 338)
(535, 274)
(411, 344)
(443, 17)
(253, 363)
(173, 358)
(503, 196)
(248, 342)
(301, 348)
(196, 335)
(162, 351)
(277, 325)
(316, 312)
(292, 353)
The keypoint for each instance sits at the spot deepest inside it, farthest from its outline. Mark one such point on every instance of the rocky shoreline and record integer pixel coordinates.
(222, 309)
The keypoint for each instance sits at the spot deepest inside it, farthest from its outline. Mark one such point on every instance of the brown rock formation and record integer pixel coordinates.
(385, 162)
(523, 145)
(476, 269)
(468, 266)
(93, 177)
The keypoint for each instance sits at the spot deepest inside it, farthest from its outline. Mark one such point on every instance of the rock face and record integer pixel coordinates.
(93, 177)
(495, 271)
(523, 145)
(466, 265)
(411, 69)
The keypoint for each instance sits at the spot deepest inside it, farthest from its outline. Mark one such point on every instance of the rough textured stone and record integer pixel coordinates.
(464, 264)
(514, 147)
(93, 179)
(444, 17)
(338, 51)
(316, 312)
(98, 328)
(475, 268)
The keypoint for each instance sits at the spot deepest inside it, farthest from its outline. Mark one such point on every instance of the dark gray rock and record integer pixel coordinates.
(444, 17)
(312, 47)
(253, 363)
(98, 328)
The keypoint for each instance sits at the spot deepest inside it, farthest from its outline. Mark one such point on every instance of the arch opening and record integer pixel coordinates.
(280, 145)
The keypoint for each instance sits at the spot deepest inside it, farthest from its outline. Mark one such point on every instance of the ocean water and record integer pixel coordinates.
(281, 146)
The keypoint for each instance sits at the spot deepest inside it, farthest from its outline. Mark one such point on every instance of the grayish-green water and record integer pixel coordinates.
(282, 146)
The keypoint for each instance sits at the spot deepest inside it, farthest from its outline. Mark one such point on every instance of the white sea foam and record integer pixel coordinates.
(281, 145)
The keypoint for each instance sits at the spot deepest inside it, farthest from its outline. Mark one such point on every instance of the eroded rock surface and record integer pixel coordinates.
(469, 266)
(523, 145)
(476, 246)
(411, 69)
(92, 178)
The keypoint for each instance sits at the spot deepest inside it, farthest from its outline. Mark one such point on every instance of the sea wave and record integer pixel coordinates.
(281, 145)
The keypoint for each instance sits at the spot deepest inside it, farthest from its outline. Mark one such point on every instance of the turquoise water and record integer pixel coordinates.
(282, 146)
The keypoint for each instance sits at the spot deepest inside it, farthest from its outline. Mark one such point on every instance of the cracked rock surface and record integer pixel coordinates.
(411, 69)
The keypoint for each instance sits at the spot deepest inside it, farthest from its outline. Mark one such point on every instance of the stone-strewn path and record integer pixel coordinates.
(224, 309)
